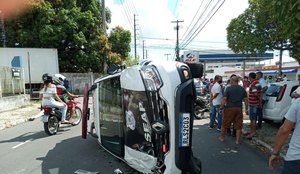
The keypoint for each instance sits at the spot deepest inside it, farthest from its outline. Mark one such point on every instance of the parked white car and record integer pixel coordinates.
(279, 100)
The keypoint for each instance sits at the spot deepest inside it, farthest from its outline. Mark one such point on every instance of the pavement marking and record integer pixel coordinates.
(18, 145)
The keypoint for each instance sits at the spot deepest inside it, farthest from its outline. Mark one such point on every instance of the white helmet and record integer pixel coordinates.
(58, 79)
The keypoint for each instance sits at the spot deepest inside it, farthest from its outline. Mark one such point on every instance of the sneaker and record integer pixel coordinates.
(219, 129)
(210, 128)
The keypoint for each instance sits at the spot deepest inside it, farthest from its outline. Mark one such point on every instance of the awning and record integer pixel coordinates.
(285, 71)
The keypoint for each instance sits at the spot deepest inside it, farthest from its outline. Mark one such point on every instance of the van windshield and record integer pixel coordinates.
(273, 90)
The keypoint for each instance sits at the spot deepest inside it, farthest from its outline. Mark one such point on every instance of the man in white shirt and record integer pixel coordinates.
(292, 158)
(264, 99)
(216, 96)
(285, 78)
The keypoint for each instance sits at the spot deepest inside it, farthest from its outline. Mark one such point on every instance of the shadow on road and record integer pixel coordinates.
(26, 136)
(76, 154)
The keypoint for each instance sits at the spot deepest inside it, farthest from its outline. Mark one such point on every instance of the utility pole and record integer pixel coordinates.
(143, 49)
(177, 40)
(104, 30)
(134, 28)
(3, 29)
(167, 56)
(103, 16)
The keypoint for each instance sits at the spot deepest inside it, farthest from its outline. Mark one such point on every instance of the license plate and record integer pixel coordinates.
(184, 134)
(44, 118)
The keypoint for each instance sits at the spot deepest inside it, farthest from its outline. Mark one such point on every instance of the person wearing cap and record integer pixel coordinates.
(263, 100)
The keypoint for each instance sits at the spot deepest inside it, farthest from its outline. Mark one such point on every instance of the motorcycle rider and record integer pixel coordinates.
(64, 94)
(48, 94)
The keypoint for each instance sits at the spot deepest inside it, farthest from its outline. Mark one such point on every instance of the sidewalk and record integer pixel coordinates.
(20, 115)
(265, 137)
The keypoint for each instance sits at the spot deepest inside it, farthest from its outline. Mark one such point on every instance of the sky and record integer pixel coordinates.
(157, 31)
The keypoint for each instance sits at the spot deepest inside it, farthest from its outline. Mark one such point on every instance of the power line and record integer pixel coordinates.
(200, 29)
(188, 28)
(204, 25)
(125, 12)
(167, 39)
(197, 23)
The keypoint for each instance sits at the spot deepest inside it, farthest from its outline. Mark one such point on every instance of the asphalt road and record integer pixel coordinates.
(227, 157)
(26, 149)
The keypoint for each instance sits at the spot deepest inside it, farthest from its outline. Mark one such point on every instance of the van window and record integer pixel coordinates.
(111, 115)
(273, 90)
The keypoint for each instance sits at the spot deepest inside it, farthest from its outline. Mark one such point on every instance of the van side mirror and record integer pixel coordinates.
(196, 69)
(93, 87)
(160, 127)
(112, 69)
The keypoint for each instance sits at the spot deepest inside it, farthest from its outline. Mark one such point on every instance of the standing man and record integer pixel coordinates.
(254, 102)
(232, 105)
(292, 158)
(215, 99)
(264, 99)
(285, 78)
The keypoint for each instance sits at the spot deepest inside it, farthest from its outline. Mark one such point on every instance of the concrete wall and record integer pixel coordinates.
(77, 81)
(13, 102)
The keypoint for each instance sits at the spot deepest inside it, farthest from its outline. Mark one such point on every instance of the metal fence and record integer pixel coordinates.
(12, 81)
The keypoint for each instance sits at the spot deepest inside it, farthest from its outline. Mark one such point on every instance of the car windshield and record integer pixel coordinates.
(273, 90)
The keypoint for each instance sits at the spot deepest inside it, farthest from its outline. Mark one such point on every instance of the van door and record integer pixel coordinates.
(111, 116)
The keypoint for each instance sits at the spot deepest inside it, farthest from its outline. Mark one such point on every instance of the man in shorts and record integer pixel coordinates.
(232, 106)
(254, 103)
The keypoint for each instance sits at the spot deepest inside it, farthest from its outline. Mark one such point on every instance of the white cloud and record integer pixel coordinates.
(154, 18)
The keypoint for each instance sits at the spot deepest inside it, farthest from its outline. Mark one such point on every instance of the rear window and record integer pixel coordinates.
(273, 90)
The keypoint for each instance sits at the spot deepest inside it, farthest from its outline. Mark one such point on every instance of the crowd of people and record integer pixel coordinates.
(227, 101)
(229, 97)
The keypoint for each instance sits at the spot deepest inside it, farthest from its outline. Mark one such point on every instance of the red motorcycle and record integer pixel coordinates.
(52, 116)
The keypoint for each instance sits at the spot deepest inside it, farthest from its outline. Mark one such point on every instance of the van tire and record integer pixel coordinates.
(196, 69)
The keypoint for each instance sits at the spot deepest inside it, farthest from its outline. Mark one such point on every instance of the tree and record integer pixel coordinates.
(257, 30)
(289, 13)
(71, 26)
(120, 42)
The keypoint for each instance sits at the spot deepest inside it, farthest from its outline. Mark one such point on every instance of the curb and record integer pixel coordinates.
(264, 145)
(12, 123)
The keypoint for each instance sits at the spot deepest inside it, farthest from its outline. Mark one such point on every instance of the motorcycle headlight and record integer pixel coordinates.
(151, 78)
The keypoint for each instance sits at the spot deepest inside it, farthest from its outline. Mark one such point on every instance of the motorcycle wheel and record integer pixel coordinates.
(198, 114)
(77, 116)
(52, 125)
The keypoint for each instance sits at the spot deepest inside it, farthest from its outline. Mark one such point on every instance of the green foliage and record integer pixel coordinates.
(288, 12)
(130, 61)
(265, 25)
(120, 42)
(71, 26)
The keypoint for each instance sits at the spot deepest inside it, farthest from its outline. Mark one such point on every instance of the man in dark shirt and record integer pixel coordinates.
(232, 107)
